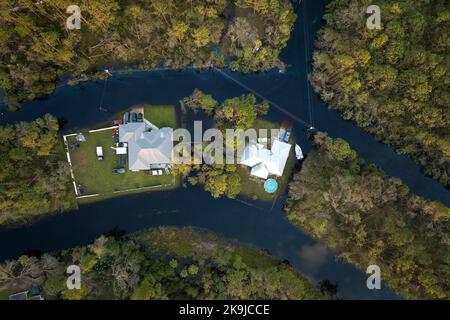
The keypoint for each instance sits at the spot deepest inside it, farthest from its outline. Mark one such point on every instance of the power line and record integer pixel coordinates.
(103, 95)
(280, 108)
(306, 41)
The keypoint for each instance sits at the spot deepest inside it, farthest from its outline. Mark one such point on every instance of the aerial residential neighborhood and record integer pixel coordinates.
(234, 152)
(140, 147)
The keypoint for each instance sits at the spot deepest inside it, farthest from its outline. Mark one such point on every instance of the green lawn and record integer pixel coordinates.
(96, 177)
(161, 115)
(253, 187)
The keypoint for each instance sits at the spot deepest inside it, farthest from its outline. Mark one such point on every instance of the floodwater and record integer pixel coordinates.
(261, 224)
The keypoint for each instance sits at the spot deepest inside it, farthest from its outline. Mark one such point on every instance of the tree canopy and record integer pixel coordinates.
(233, 113)
(34, 175)
(393, 82)
(164, 263)
(367, 219)
(37, 49)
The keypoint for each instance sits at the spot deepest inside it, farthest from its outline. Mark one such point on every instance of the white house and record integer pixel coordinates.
(266, 162)
(148, 147)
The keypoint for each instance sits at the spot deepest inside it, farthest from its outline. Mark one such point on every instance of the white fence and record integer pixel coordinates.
(66, 145)
(103, 129)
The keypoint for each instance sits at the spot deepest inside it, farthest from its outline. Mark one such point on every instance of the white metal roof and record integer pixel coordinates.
(260, 170)
(267, 161)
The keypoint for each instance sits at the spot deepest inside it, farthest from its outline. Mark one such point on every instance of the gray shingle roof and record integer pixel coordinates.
(146, 148)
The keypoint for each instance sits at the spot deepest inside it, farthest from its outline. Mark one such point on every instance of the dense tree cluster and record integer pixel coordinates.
(234, 113)
(218, 179)
(240, 112)
(34, 178)
(166, 263)
(367, 218)
(199, 101)
(37, 49)
(393, 82)
(256, 40)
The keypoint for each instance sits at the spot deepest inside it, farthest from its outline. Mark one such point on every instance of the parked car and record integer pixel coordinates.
(287, 135)
(134, 117)
(126, 117)
(99, 151)
(119, 171)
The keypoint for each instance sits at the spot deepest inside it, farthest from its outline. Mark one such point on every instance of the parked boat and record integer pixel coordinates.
(298, 152)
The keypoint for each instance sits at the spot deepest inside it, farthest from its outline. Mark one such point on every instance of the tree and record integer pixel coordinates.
(386, 80)
(198, 100)
(35, 181)
(366, 217)
(201, 36)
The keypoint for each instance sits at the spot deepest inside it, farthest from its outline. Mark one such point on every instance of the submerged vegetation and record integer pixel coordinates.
(393, 82)
(367, 218)
(34, 174)
(37, 48)
(165, 263)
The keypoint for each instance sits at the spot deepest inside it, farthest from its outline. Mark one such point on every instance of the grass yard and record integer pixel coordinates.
(95, 175)
(253, 187)
(161, 115)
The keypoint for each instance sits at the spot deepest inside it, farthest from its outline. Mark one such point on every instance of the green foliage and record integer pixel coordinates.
(250, 34)
(234, 113)
(149, 265)
(35, 178)
(367, 218)
(37, 49)
(237, 113)
(218, 180)
(199, 101)
(55, 284)
(394, 81)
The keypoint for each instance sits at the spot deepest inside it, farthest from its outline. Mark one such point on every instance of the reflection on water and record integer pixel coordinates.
(313, 257)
